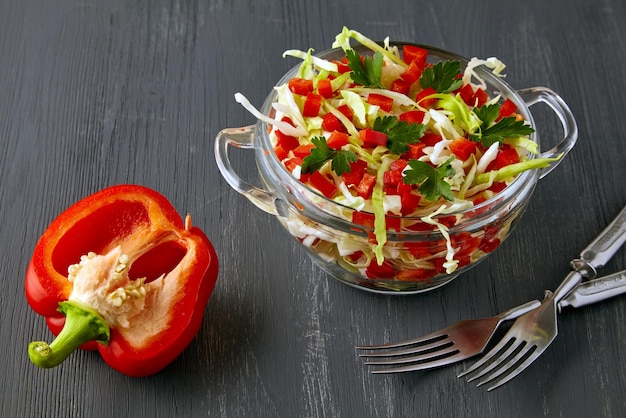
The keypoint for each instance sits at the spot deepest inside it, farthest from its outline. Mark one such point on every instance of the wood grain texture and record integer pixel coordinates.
(98, 93)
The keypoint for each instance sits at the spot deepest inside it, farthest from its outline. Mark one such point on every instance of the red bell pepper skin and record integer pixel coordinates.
(178, 262)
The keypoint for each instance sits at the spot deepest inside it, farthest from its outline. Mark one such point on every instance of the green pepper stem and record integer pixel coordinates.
(82, 324)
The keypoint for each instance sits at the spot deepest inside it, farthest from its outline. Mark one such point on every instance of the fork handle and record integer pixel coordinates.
(602, 248)
(572, 280)
(596, 290)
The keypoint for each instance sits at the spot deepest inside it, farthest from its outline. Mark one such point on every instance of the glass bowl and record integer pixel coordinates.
(415, 252)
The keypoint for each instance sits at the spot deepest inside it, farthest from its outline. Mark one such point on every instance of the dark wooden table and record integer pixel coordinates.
(96, 93)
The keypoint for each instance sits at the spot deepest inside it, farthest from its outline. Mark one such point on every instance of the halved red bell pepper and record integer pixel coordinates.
(121, 268)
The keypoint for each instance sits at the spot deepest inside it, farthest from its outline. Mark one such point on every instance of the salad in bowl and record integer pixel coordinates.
(396, 165)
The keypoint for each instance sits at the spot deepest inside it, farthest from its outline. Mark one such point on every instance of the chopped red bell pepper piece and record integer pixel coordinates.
(463, 148)
(505, 157)
(400, 86)
(384, 271)
(347, 112)
(508, 108)
(357, 169)
(398, 165)
(373, 138)
(412, 73)
(403, 188)
(415, 151)
(288, 120)
(366, 185)
(430, 138)
(467, 94)
(465, 244)
(325, 88)
(292, 163)
(280, 152)
(287, 142)
(354, 257)
(413, 53)
(497, 187)
(480, 97)
(337, 139)
(391, 190)
(300, 86)
(303, 151)
(120, 267)
(488, 244)
(331, 123)
(412, 116)
(393, 222)
(312, 105)
(363, 218)
(423, 249)
(409, 202)
(385, 103)
(392, 178)
(421, 97)
(342, 66)
(416, 274)
(322, 184)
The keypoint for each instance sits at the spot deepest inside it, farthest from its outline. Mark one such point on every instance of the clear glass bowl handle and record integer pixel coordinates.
(536, 95)
(242, 138)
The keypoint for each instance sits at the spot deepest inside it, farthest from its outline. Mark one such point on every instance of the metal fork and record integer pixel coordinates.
(457, 342)
(470, 337)
(533, 332)
(528, 337)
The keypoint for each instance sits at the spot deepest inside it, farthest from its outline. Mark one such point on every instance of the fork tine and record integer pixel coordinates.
(489, 356)
(503, 378)
(439, 344)
(497, 361)
(422, 366)
(435, 336)
(503, 370)
(422, 357)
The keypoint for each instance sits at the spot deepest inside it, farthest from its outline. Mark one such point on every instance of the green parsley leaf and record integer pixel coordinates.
(367, 71)
(399, 133)
(490, 132)
(443, 76)
(322, 153)
(431, 179)
(487, 114)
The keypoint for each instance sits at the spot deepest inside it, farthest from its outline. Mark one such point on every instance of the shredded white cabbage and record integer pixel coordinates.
(318, 62)
(487, 158)
(443, 126)
(495, 64)
(284, 127)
